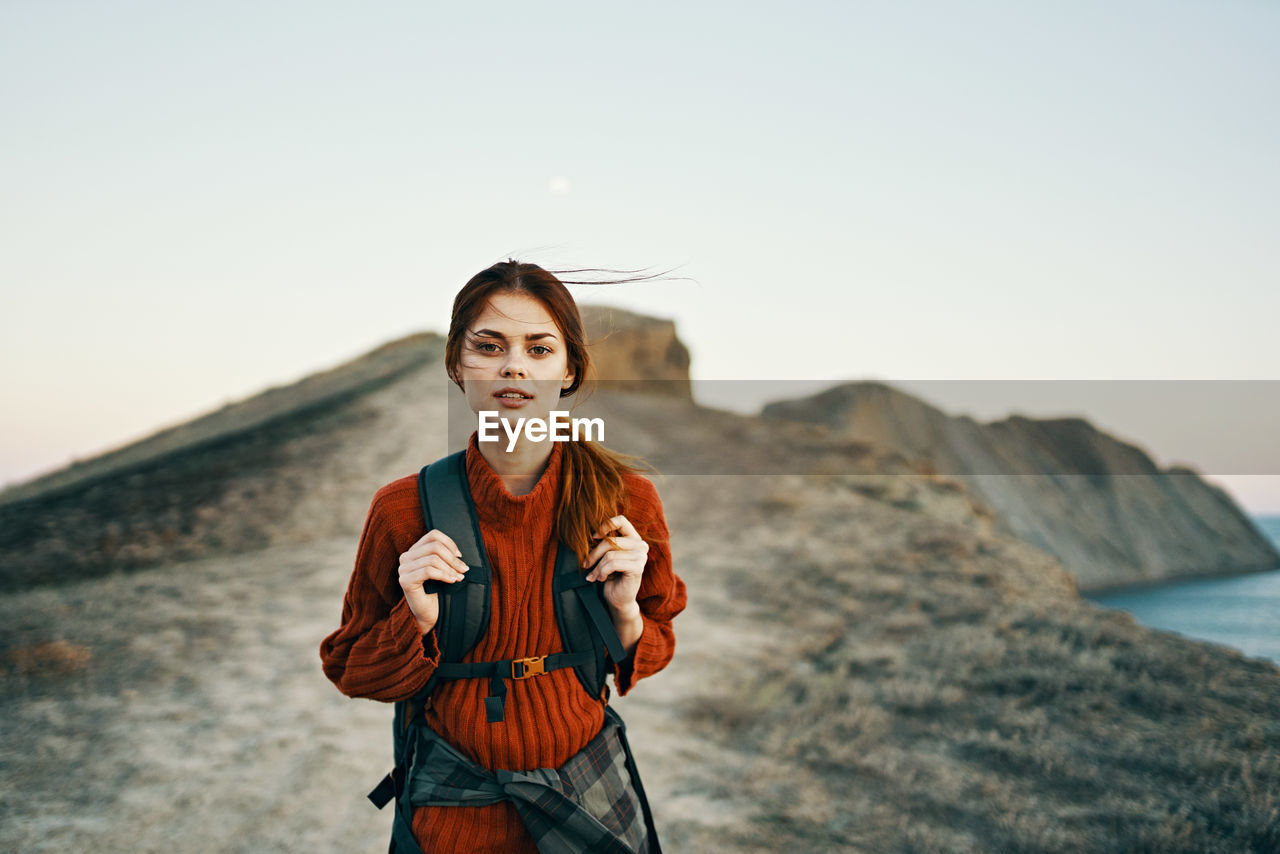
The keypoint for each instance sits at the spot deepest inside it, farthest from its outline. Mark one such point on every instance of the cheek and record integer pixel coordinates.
(470, 362)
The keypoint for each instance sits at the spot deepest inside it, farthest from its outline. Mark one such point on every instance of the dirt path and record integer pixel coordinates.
(184, 707)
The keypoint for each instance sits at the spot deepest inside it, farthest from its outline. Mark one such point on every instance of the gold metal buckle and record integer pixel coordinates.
(529, 667)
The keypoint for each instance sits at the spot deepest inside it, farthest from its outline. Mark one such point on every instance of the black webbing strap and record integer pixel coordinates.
(595, 609)
(452, 514)
(384, 791)
(392, 788)
(500, 671)
(402, 838)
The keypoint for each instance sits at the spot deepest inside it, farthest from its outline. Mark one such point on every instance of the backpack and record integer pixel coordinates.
(586, 630)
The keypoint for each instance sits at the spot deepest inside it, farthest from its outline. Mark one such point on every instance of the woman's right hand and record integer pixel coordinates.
(435, 556)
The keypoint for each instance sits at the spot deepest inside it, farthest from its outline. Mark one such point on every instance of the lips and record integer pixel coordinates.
(509, 389)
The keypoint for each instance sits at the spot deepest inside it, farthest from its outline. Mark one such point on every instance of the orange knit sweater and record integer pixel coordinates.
(379, 652)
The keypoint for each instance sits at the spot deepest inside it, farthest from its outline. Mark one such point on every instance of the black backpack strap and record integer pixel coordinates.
(464, 605)
(589, 593)
(402, 838)
(393, 788)
(448, 506)
(584, 623)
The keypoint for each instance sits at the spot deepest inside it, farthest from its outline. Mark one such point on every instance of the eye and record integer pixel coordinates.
(541, 347)
(481, 347)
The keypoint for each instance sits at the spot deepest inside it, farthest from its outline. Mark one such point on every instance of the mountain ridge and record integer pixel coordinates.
(1099, 504)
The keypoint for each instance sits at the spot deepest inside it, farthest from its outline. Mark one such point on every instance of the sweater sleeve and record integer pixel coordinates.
(662, 593)
(378, 651)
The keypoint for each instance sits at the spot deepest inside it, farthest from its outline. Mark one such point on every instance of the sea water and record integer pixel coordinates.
(1241, 611)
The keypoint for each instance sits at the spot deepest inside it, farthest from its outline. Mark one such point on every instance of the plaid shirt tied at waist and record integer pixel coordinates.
(592, 803)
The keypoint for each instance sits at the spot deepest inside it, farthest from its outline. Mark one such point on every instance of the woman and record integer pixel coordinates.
(516, 345)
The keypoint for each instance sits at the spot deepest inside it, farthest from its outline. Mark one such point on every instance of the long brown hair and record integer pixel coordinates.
(591, 483)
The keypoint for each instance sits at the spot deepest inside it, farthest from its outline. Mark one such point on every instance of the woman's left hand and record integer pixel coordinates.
(622, 563)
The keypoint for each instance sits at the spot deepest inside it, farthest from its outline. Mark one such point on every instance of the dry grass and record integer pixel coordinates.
(53, 657)
(947, 712)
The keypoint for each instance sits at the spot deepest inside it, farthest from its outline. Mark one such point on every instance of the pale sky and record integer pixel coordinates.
(202, 200)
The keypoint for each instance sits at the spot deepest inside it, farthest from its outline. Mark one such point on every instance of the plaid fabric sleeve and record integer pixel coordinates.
(590, 804)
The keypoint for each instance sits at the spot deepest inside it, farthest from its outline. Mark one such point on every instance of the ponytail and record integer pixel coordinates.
(592, 490)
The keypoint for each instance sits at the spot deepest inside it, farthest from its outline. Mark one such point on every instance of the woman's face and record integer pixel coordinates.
(514, 343)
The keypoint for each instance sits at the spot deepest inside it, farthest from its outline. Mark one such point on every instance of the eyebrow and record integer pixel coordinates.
(532, 336)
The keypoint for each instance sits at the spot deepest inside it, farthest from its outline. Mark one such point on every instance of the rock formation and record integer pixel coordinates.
(644, 353)
(1099, 505)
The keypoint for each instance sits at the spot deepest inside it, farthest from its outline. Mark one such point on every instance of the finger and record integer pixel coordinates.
(420, 577)
(612, 564)
(597, 552)
(450, 557)
(601, 570)
(443, 538)
(615, 544)
(618, 523)
(445, 569)
(425, 548)
(435, 567)
(417, 577)
(602, 548)
(408, 561)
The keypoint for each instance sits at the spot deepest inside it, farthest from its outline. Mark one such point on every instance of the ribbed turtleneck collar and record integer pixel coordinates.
(495, 503)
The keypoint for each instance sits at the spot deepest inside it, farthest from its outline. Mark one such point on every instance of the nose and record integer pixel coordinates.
(514, 368)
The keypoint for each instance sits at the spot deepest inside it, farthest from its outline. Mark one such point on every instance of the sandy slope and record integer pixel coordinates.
(202, 717)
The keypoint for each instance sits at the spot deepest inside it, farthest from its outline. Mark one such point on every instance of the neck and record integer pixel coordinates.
(520, 467)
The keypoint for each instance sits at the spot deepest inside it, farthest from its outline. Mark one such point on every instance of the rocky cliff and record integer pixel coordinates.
(642, 353)
(1098, 504)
